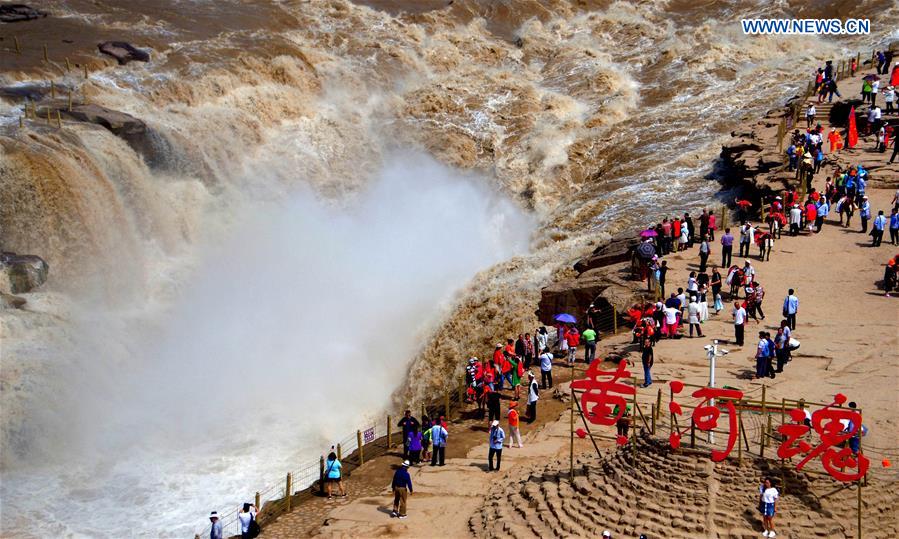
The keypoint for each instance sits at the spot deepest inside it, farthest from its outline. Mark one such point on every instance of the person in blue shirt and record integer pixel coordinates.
(791, 307)
(823, 210)
(791, 153)
(496, 437)
(402, 487)
(438, 439)
(865, 212)
(880, 222)
(894, 227)
(333, 475)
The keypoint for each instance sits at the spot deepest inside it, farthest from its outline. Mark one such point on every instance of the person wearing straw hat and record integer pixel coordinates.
(215, 531)
(402, 488)
(496, 438)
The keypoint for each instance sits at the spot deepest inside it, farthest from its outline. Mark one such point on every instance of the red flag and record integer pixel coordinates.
(894, 78)
(852, 139)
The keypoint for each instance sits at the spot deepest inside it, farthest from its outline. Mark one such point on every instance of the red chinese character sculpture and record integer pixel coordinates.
(605, 395)
(705, 416)
(834, 427)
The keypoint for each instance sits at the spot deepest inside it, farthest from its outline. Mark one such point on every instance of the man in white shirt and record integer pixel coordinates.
(739, 314)
(810, 115)
(795, 220)
(245, 517)
(546, 368)
(670, 327)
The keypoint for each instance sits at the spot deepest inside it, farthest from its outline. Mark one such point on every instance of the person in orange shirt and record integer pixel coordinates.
(499, 360)
(514, 433)
(836, 141)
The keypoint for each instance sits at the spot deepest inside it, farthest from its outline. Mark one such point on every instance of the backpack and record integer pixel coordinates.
(254, 529)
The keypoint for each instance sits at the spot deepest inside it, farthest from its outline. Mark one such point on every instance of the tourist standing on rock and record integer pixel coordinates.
(791, 307)
(768, 498)
(546, 369)
(648, 361)
(246, 520)
(407, 423)
(333, 474)
(514, 419)
(438, 441)
(402, 488)
(727, 247)
(533, 396)
(781, 345)
(739, 316)
(496, 438)
(215, 529)
(589, 336)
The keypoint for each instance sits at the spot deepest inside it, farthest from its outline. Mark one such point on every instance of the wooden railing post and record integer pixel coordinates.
(359, 443)
(16, 43)
(764, 414)
(258, 503)
(446, 405)
(339, 452)
(287, 490)
(614, 319)
(389, 431)
(321, 476)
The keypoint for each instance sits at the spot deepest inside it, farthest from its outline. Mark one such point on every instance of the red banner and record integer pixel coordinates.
(852, 139)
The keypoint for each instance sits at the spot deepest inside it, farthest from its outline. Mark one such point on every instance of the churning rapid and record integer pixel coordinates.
(332, 202)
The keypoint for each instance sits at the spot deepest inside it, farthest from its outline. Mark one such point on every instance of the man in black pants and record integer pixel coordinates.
(493, 405)
(727, 248)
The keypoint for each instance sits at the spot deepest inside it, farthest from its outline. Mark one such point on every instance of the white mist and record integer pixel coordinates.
(289, 335)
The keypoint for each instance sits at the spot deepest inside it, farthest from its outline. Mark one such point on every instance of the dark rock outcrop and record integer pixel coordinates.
(9, 301)
(123, 52)
(19, 13)
(132, 130)
(618, 249)
(22, 273)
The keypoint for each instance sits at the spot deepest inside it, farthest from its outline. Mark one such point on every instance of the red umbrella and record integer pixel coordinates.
(744, 204)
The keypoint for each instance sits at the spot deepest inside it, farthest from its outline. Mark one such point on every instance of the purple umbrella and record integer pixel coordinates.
(565, 318)
(648, 233)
